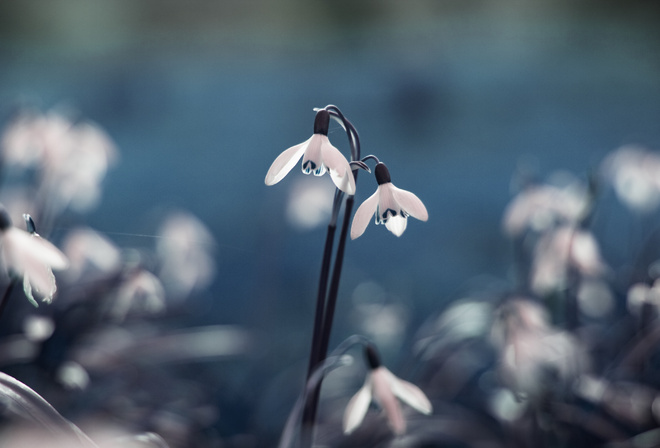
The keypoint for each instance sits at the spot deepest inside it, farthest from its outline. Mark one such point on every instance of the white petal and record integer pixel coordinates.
(22, 248)
(313, 155)
(357, 408)
(41, 279)
(410, 394)
(385, 397)
(284, 162)
(42, 284)
(386, 202)
(363, 215)
(27, 289)
(410, 203)
(340, 170)
(397, 224)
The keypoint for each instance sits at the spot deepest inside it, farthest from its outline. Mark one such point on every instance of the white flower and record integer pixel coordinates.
(542, 206)
(142, 292)
(72, 158)
(184, 248)
(560, 250)
(633, 172)
(30, 256)
(384, 388)
(390, 205)
(318, 156)
(91, 254)
(534, 356)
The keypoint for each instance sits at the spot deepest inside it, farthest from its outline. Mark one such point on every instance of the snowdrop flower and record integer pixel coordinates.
(318, 156)
(534, 356)
(91, 255)
(634, 172)
(560, 250)
(72, 158)
(542, 206)
(384, 388)
(391, 206)
(30, 256)
(184, 248)
(142, 291)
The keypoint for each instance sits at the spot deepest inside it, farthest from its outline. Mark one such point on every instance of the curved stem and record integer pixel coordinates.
(336, 359)
(370, 157)
(325, 309)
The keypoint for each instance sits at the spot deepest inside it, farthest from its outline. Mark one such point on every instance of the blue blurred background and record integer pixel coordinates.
(456, 97)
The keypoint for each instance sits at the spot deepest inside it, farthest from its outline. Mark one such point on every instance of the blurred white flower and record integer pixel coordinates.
(634, 173)
(384, 388)
(534, 356)
(72, 158)
(75, 175)
(38, 328)
(141, 291)
(595, 298)
(309, 204)
(631, 402)
(31, 257)
(560, 250)
(641, 294)
(90, 253)
(184, 248)
(390, 205)
(541, 206)
(33, 139)
(318, 156)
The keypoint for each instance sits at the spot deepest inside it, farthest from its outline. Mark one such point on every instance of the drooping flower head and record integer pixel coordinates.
(318, 156)
(391, 206)
(27, 255)
(384, 388)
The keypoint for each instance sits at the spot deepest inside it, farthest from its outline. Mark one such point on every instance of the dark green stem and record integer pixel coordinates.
(309, 416)
(309, 412)
(325, 311)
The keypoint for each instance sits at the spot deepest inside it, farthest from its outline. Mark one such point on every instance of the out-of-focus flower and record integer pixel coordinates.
(75, 175)
(309, 204)
(534, 356)
(560, 250)
(391, 206)
(641, 294)
(632, 403)
(384, 388)
(318, 156)
(72, 157)
(140, 291)
(184, 247)
(29, 256)
(634, 173)
(90, 253)
(33, 139)
(595, 298)
(541, 206)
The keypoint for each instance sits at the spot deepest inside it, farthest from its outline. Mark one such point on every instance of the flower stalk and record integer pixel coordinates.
(390, 205)
(325, 310)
